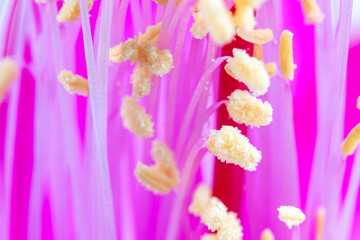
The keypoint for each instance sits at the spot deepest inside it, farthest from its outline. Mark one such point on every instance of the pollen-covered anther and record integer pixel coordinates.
(312, 12)
(199, 29)
(248, 70)
(214, 215)
(229, 145)
(247, 109)
(271, 69)
(70, 11)
(351, 141)
(231, 228)
(135, 118)
(244, 19)
(258, 52)
(163, 176)
(201, 198)
(320, 223)
(291, 216)
(267, 235)
(8, 73)
(125, 51)
(257, 36)
(209, 236)
(286, 55)
(152, 33)
(74, 84)
(218, 20)
(141, 82)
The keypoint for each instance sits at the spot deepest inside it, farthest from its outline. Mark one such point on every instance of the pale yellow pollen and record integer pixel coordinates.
(248, 70)
(74, 84)
(135, 119)
(312, 12)
(214, 215)
(229, 145)
(351, 141)
(291, 216)
(145, 53)
(247, 109)
(209, 236)
(151, 34)
(199, 29)
(141, 82)
(231, 228)
(257, 36)
(8, 73)
(163, 176)
(258, 52)
(358, 103)
(286, 55)
(267, 235)
(218, 20)
(244, 18)
(271, 69)
(70, 11)
(200, 200)
(320, 223)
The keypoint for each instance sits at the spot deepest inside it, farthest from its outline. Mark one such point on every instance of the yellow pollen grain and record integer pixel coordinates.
(218, 20)
(250, 71)
(244, 19)
(70, 11)
(231, 228)
(163, 176)
(8, 73)
(271, 69)
(257, 36)
(291, 216)
(209, 236)
(135, 118)
(287, 65)
(312, 12)
(199, 29)
(214, 215)
(141, 82)
(358, 103)
(247, 109)
(151, 34)
(320, 223)
(229, 145)
(74, 84)
(267, 235)
(258, 52)
(145, 53)
(351, 141)
(200, 200)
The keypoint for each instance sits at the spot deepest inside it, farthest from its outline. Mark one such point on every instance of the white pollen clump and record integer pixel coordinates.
(70, 11)
(161, 177)
(145, 53)
(8, 73)
(257, 36)
(218, 20)
(271, 69)
(152, 33)
(74, 84)
(267, 235)
(247, 109)
(286, 55)
(199, 29)
(231, 228)
(135, 119)
(201, 198)
(351, 141)
(244, 18)
(209, 236)
(229, 145)
(291, 216)
(141, 82)
(312, 12)
(248, 70)
(214, 215)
